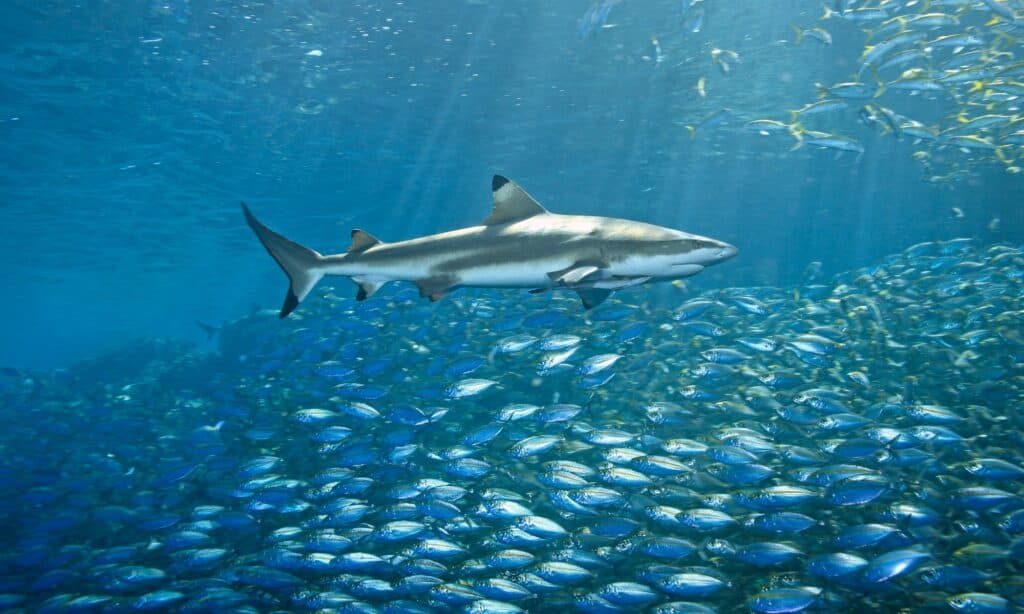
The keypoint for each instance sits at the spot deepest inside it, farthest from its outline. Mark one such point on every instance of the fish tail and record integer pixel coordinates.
(692, 130)
(877, 79)
(797, 130)
(799, 33)
(1001, 154)
(302, 265)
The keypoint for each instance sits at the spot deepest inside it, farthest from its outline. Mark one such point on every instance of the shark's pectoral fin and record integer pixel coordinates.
(574, 274)
(511, 203)
(592, 297)
(362, 241)
(367, 288)
(436, 288)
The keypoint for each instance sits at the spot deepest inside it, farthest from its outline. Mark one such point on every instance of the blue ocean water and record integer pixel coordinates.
(828, 420)
(130, 133)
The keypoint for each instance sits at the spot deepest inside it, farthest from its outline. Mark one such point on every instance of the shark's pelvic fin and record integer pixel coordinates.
(367, 288)
(362, 241)
(592, 297)
(511, 203)
(436, 288)
(299, 263)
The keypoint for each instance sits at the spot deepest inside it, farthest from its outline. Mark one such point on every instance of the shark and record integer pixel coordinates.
(519, 245)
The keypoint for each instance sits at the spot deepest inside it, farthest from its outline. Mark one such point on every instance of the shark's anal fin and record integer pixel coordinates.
(574, 274)
(592, 297)
(511, 203)
(367, 288)
(362, 241)
(436, 288)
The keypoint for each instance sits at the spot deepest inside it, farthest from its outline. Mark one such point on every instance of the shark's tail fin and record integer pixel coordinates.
(301, 264)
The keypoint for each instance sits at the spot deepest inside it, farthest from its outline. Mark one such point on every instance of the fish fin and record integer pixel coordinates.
(692, 130)
(511, 203)
(574, 274)
(209, 329)
(299, 263)
(798, 134)
(436, 288)
(362, 241)
(367, 288)
(592, 297)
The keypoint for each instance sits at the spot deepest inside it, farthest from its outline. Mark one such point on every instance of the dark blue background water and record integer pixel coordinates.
(130, 131)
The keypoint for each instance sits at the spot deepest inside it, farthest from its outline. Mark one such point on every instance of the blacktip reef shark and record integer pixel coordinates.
(519, 245)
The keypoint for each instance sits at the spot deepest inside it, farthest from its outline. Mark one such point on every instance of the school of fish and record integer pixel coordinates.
(845, 444)
(942, 78)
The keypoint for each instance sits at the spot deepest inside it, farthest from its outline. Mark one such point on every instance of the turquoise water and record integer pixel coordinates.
(828, 420)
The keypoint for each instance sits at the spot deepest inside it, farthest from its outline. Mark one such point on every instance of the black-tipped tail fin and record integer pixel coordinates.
(300, 264)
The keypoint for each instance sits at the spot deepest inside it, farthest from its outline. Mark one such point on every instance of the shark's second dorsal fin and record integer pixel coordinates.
(362, 241)
(511, 203)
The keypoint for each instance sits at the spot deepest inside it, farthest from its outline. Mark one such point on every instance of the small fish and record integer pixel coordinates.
(819, 34)
(724, 59)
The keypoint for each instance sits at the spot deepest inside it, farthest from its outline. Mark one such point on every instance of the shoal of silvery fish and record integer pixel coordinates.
(965, 55)
(846, 445)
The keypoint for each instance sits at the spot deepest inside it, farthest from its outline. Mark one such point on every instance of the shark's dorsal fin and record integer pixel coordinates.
(511, 203)
(362, 241)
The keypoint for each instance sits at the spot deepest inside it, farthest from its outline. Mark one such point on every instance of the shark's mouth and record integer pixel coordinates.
(685, 269)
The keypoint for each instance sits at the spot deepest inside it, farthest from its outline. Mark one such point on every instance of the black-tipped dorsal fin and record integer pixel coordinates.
(362, 241)
(511, 203)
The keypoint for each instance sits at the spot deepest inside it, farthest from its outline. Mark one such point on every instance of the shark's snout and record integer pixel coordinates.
(726, 251)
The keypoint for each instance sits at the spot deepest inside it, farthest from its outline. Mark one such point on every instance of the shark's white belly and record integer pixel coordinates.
(525, 274)
(528, 274)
